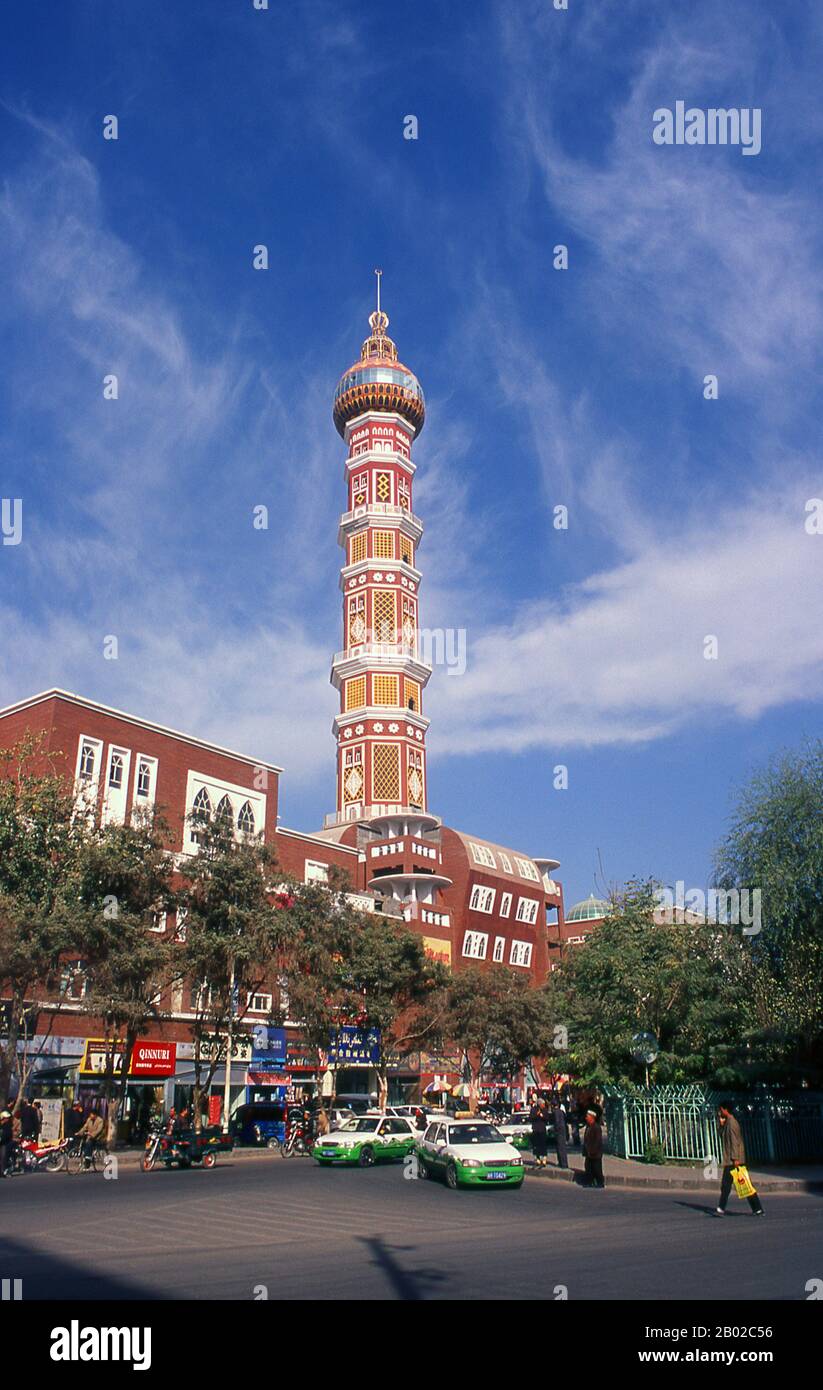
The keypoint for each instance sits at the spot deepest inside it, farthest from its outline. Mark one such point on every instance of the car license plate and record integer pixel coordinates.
(496, 1174)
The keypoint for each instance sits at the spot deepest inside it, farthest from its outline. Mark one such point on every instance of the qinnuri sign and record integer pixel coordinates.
(153, 1059)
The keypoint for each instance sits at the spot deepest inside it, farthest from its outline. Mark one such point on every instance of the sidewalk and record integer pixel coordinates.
(628, 1172)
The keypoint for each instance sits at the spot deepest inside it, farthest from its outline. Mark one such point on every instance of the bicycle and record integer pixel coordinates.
(77, 1161)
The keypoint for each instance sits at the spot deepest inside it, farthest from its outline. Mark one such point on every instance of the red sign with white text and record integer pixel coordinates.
(151, 1058)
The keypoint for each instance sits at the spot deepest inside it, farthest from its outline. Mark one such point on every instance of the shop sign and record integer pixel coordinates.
(440, 1061)
(96, 1054)
(150, 1058)
(300, 1059)
(267, 1078)
(438, 948)
(355, 1046)
(268, 1047)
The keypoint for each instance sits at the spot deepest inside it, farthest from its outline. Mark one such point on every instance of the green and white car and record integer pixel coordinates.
(518, 1130)
(371, 1139)
(469, 1153)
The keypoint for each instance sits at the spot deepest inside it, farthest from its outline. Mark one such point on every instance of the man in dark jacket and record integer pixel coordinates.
(593, 1149)
(733, 1153)
(28, 1121)
(73, 1120)
(559, 1120)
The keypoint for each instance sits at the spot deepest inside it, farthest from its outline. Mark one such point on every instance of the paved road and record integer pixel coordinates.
(303, 1231)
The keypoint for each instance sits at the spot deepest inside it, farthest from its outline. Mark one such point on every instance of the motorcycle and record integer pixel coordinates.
(185, 1148)
(297, 1144)
(50, 1157)
(30, 1156)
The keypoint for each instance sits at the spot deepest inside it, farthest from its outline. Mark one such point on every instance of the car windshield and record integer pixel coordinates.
(364, 1126)
(474, 1134)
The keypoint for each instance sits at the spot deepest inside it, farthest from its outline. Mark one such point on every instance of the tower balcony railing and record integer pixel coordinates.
(388, 650)
(359, 812)
(381, 509)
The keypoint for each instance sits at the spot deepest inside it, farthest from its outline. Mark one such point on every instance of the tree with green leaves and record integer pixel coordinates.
(402, 990)
(500, 1021)
(236, 938)
(683, 982)
(41, 840)
(366, 970)
(125, 886)
(774, 846)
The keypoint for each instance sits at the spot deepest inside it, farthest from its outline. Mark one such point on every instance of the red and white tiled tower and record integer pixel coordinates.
(381, 729)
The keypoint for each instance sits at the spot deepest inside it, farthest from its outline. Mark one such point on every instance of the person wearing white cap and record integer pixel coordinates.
(593, 1149)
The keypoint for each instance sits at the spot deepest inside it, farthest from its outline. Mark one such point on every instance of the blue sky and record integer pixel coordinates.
(582, 388)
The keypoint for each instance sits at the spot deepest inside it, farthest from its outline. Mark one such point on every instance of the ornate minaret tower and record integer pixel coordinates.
(381, 729)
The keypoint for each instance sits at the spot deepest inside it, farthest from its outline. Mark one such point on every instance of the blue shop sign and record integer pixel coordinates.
(354, 1045)
(268, 1048)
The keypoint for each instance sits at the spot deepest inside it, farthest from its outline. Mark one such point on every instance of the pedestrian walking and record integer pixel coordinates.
(559, 1120)
(733, 1156)
(593, 1149)
(540, 1139)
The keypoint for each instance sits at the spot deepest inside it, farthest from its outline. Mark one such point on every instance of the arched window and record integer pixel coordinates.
(225, 811)
(87, 762)
(245, 820)
(116, 770)
(201, 811)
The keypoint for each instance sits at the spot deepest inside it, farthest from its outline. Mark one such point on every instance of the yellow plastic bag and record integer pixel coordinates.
(743, 1185)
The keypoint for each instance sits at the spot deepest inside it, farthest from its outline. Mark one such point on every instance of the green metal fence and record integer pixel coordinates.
(778, 1126)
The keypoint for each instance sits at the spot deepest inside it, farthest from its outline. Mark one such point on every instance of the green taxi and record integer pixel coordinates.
(469, 1153)
(371, 1139)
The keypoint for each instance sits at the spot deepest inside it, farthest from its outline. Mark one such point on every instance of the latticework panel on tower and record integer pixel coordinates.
(386, 772)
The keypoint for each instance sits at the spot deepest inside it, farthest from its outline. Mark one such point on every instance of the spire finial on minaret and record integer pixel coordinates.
(378, 322)
(378, 273)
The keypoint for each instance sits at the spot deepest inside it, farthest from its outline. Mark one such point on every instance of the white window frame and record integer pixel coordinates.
(506, 862)
(527, 909)
(259, 1008)
(505, 904)
(310, 877)
(481, 854)
(482, 898)
(499, 949)
(114, 798)
(151, 763)
(521, 954)
(475, 945)
(87, 789)
(527, 870)
(217, 789)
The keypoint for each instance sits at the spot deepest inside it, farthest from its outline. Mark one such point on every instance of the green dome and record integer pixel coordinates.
(590, 910)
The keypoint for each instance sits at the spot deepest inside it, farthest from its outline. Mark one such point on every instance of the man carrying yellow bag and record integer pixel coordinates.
(733, 1155)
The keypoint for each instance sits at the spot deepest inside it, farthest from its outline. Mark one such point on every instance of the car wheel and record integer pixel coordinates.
(426, 1171)
(272, 1143)
(209, 1160)
(366, 1159)
(451, 1176)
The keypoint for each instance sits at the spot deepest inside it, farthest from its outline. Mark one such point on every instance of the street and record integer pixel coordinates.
(298, 1231)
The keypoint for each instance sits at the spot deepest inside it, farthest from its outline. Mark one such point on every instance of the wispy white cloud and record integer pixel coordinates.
(621, 659)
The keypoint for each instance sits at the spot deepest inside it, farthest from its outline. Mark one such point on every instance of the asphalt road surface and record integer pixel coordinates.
(306, 1232)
